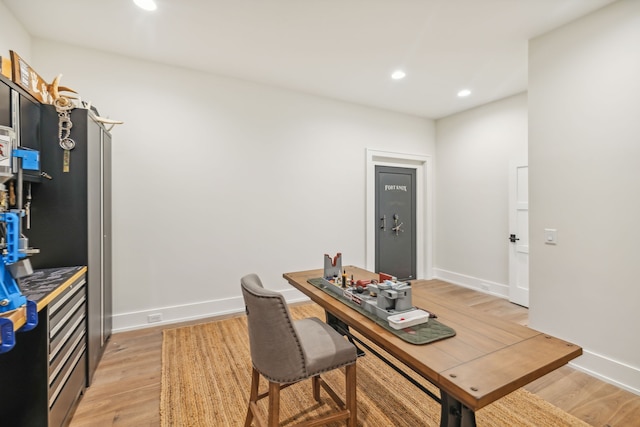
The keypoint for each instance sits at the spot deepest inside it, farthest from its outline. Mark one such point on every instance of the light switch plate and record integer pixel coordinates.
(551, 236)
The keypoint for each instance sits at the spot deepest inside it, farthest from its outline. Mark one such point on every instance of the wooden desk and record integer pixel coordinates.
(487, 359)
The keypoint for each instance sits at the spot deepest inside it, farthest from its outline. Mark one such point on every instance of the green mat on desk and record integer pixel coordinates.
(424, 333)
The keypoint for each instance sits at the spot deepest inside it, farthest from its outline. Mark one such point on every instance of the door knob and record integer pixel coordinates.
(513, 238)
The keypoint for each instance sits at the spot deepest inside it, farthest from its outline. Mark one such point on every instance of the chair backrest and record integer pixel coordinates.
(275, 349)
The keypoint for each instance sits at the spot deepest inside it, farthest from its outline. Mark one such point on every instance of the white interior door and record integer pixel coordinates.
(519, 233)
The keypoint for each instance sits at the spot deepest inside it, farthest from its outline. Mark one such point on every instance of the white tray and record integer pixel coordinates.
(409, 318)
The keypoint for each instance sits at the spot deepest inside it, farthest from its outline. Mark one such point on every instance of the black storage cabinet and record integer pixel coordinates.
(71, 216)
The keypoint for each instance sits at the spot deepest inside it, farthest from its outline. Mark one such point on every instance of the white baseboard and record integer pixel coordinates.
(485, 286)
(181, 313)
(608, 370)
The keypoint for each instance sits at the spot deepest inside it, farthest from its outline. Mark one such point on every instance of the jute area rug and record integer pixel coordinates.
(206, 374)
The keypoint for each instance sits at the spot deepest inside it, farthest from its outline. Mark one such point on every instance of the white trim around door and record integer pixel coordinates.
(424, 206)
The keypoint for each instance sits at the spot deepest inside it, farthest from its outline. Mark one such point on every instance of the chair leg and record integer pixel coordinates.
(351, 402)
(255, 382)
(274, 404)
(315, 382)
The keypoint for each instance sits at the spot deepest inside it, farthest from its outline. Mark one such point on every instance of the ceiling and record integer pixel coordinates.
(342, 49)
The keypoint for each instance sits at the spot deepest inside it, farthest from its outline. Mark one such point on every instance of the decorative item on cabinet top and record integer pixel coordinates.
(27, 78)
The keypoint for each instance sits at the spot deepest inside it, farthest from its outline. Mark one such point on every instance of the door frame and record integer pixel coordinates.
(424, 206)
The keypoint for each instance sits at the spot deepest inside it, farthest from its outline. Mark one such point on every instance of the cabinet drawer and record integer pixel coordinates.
(70, 364)
(57, 361)
(67, 339)
(73, 320)
(59, 307)
(61, 409)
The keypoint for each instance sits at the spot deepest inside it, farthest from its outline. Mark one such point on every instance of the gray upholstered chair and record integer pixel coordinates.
(287, 351)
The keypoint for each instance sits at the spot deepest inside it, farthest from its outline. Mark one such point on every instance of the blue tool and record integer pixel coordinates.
(7, 336)
(30, 158)
(10, 295)
(31, 317)
(14, 247)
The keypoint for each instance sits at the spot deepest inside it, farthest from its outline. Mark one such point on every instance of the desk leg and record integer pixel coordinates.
(455, 414)
(343, 329)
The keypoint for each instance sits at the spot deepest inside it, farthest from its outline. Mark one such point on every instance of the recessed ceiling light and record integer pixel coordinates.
(146, 4)
(464, 92)
(398, 75)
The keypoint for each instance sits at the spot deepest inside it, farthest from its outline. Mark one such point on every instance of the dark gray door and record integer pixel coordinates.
(396, 226)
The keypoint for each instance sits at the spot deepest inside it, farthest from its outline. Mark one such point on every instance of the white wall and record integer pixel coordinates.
(473, 152)
(584, 149)
(13, 36)
(215, 178)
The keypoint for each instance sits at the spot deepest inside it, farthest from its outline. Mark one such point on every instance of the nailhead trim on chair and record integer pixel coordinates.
(284, 308)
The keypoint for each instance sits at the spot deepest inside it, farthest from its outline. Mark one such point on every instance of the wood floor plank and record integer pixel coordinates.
(126, 387)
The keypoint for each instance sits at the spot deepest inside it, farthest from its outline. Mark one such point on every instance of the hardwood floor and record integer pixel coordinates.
(126, 386)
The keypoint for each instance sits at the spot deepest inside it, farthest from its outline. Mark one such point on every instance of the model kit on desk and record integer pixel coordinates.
(386, 299)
